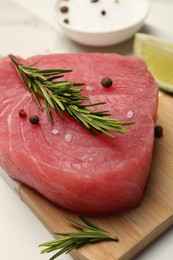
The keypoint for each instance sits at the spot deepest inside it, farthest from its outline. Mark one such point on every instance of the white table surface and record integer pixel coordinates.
(27, 27)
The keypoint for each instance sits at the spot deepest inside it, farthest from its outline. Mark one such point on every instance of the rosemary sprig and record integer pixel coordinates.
(90, 233)
(64, 96)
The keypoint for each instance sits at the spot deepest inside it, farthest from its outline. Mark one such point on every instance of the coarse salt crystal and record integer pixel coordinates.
(55, 131)
(89, 88)
(68, 137)
(129, 114)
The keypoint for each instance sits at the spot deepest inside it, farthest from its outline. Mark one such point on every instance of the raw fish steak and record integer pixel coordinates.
(63, 161)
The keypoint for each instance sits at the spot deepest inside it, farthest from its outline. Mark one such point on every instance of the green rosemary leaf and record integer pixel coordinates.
(59, 110)
(125, 123)
(88, 223)
(121, 130)
(50, 72)
(30, 71)
(90, 233)
(49, 112)
(36, 99)
(64, 96)
(104, 126)
(94, 125)
(83, 242)
(58, 102)
(20, 73)
(45, 93)
(100, 113)
(93, 104)
(51, 79)
(64, 250)
(60, 86)
(80, 117)
(85, 225)
(108, 133)
(62, 233)
(78, 84)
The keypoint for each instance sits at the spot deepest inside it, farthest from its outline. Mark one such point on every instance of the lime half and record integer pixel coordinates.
(158, 55)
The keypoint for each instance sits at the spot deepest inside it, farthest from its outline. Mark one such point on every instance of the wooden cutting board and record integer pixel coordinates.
(135, 228)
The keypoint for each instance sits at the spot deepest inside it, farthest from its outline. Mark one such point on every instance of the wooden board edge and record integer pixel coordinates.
(25, 195)
(151, 237)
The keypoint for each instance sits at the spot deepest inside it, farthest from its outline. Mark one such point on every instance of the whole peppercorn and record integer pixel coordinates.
(106, 82)
(64, 9)
(22, 113)
(103, 12)
(66, 20)
(34, 120)
(158, 131)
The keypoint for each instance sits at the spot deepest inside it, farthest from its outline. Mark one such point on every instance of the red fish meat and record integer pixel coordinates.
(63, 161)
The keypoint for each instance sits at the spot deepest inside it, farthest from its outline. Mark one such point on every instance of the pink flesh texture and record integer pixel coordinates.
(87, 174)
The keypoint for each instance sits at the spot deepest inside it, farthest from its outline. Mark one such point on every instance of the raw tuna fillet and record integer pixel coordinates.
(64, 162)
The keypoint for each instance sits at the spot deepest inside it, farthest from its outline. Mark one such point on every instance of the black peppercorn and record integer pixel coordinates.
(64, 9)
(66, 20)
(94, 1)
(158, 131)
(106, 82)
(34, 120)
(103, 12)
(22, 113)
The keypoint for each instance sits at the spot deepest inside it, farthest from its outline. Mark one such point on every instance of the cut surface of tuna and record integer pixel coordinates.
(63, 161)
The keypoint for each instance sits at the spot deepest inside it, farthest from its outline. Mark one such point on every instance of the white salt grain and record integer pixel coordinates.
(89, 88)
(68, 137)
(129, 114)
(55, 131)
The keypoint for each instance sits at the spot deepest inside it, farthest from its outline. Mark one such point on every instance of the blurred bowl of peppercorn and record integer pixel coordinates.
(101, 22)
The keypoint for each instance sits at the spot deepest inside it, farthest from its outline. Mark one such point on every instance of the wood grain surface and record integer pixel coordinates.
(136, 228)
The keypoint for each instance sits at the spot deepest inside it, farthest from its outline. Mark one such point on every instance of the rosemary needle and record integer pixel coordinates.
(65, 97)
(89, 233)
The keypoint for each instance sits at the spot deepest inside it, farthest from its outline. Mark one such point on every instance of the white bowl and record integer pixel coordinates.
(89, 27)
